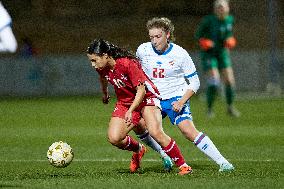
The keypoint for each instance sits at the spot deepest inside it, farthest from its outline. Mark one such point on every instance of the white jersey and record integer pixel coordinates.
(5, 18)
(169, 69)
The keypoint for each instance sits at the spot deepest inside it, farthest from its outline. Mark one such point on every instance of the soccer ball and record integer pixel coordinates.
(60, 154)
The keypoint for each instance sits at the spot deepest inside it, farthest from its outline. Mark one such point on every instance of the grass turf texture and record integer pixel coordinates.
(253, 143)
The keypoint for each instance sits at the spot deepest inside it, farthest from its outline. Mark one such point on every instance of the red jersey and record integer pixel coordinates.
(126, 75)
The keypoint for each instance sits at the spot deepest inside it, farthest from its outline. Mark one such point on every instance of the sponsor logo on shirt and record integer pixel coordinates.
(171, 63)
(149, 101)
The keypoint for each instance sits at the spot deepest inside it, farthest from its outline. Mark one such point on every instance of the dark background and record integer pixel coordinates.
(68, 26)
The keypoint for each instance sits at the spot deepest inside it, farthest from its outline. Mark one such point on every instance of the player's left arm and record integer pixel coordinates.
(193, 86)
(104, 88)
(192, 80)
(137, 78)
(203, 36)
(230, 41)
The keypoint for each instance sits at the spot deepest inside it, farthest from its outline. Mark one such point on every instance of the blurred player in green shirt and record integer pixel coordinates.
(216, 39)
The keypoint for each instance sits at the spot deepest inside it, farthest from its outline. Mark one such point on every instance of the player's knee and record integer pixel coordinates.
(188, 129)
(230, 82)
(114, 139)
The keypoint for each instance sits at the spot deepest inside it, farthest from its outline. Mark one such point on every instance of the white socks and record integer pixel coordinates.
(149, 141)
(204, 144)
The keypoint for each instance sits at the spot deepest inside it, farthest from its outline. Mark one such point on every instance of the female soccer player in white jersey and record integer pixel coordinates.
(173, 72)
(8, 42)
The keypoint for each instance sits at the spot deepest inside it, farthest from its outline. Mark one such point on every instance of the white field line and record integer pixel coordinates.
(127, 160)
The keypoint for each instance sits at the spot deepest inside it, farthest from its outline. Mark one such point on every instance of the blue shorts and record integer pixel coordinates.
(175, 117)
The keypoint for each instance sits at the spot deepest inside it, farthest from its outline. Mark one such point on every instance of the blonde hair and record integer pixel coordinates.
(218, 3)
(163, 23)
(225, 5)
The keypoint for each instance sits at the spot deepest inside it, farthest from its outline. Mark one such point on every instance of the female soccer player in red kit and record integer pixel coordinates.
(136, 99)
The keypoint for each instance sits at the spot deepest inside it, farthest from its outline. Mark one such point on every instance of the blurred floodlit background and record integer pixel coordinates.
(59, 32)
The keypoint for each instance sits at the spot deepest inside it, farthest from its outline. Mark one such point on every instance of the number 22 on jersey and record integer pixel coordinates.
(158, 72)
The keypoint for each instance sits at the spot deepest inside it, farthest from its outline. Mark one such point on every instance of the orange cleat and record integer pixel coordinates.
(136, 159)
(185, 170)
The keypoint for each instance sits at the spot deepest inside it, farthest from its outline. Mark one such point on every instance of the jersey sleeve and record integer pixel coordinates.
(135, 73)
(190, 73)
(187, 65)
(138, 52)
(230, 30)
(202, 29)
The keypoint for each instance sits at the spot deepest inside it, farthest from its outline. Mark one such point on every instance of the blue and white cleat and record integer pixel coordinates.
(226, 167)
(168, 164)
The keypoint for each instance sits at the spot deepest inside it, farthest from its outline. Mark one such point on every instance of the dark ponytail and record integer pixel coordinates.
(101, 47)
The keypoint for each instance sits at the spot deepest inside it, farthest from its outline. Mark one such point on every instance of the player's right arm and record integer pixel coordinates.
(104, 88)
(203, 36)
(141, 53)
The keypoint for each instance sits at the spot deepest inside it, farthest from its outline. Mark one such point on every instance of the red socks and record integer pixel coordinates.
(174, 153)
(131, 144)
(172, 150)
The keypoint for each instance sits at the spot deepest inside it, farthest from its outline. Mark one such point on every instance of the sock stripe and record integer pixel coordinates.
(128, 142)
(171, 147)
(200, 139)
(144, 135)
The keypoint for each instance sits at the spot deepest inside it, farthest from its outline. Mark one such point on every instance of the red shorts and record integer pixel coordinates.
(120, 109)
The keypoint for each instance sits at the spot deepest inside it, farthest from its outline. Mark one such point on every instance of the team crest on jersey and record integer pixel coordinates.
(123, 77)
(149, 101)
(107, 77)
(159, 63)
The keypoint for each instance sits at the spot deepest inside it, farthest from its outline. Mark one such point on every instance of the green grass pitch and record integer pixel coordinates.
(253, 143)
